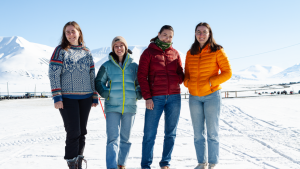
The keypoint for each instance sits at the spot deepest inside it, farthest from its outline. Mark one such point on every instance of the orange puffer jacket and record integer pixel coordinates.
(202, 71)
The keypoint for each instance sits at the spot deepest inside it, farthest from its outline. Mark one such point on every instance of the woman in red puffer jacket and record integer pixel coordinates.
(159, 74)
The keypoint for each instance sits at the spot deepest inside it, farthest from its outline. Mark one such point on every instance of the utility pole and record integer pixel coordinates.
(7, 91)
(35, 91)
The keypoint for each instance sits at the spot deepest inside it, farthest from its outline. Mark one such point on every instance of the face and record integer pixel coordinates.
(119, 49)
(72, 35)
(166, 36)
(202, 34)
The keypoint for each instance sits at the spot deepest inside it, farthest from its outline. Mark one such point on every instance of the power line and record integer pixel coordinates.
(266, 52)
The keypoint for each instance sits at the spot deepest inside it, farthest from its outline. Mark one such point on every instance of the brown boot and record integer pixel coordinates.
(165, 167)
(121, 167)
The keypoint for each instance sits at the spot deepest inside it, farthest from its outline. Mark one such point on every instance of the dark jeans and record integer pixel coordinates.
(171, 105)
(75, 116)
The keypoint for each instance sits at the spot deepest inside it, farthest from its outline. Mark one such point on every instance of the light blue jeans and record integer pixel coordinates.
(205, 115)
(171, 105)
(118, 125)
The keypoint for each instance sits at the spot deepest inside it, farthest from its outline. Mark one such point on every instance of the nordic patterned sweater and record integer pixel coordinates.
(72, 74)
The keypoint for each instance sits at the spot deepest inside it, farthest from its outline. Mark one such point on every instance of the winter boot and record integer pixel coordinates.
(211, 166)
(72, 163)
(201, 166)
(165, 167)
(121, 167)
(80, 158)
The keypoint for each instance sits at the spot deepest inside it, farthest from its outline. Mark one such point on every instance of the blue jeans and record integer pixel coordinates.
(171, 105)
(118, 125)
(205, 115)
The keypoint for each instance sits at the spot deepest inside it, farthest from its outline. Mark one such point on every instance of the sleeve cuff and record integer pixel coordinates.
(57, 98)
(95, 98)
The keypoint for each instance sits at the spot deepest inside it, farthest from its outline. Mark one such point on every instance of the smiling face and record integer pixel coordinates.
(119, 49)
(202, 35)
(166, 36)
(72, 35)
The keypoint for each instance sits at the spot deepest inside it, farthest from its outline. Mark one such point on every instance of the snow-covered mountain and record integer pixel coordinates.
(258, 72)
(101, 55)
(21, 60)
(292, 73)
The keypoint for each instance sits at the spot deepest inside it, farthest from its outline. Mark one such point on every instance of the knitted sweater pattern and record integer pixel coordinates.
(72, 74)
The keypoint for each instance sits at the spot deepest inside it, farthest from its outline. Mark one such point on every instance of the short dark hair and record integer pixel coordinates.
(168, 27)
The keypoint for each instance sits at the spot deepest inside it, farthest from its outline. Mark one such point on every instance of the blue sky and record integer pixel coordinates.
(242, 27)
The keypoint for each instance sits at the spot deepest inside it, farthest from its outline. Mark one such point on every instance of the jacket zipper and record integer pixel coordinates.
(123, 82)
(198, 71)
(166, 72)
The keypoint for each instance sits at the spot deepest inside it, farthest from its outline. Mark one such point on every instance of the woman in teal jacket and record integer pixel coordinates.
(116, 81)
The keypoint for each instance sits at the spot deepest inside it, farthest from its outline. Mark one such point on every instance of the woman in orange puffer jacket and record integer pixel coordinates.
(206, 67)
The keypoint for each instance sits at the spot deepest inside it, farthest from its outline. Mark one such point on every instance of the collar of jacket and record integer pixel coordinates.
(128, 59)
(206, 49)
(154, 46)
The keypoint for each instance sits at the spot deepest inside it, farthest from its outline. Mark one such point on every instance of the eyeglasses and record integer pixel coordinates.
(70, 32)
(203, 33)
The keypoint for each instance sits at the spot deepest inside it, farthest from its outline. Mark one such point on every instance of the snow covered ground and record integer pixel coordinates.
(255, 133)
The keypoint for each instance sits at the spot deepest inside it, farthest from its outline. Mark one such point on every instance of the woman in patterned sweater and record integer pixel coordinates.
(72, 75)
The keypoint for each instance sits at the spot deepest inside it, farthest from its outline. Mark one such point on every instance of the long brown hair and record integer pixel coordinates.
(64, 43)
(195, 48)
(168, 27)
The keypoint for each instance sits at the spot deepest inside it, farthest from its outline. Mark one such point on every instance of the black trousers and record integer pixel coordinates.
(75, 115)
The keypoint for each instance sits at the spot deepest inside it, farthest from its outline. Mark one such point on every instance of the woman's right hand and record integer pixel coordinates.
(149, 104)
(59, 105)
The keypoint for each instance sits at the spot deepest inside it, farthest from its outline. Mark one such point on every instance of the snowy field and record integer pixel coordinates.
(255, 133)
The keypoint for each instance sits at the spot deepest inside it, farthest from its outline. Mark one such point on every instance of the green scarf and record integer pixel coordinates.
(162, 45)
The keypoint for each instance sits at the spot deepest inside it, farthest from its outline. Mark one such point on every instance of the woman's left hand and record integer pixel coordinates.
(94, 104)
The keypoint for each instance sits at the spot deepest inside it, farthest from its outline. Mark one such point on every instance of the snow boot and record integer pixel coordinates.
(211, 166)
(121, 167)
(72, 163)
(201, 166)
(80, 158)
(165, 167)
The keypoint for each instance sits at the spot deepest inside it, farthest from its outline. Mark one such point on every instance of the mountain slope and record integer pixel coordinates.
(258, 72)
(23, 60)
(292, 73)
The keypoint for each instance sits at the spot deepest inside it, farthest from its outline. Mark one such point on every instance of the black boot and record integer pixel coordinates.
(79, 159)
(72, 163)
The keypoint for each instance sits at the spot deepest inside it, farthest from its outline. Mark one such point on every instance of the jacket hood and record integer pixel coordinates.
(127, 60)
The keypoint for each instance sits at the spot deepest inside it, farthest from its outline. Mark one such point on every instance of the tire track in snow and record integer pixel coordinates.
(280, 130)
(9, 157)
(239, 118)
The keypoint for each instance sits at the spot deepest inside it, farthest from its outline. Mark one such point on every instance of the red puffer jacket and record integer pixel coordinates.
(160, 72)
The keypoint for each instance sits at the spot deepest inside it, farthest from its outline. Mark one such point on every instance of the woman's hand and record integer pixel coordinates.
(149, 104)
(59, 105)
(94, 104)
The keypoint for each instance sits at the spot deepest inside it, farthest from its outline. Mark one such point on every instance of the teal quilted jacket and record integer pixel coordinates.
(119, 85)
